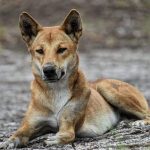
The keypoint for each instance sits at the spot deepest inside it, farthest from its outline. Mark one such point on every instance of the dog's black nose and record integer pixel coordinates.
(49, 71)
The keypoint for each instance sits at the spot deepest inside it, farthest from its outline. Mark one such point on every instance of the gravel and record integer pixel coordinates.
(125, 64)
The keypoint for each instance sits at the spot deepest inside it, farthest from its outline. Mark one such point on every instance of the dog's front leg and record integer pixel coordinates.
(65, 135)
(28, 129)
(71, 118)
(67, 123)
(21, 137)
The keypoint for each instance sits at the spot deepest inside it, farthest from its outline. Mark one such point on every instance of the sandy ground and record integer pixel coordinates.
(128, 65)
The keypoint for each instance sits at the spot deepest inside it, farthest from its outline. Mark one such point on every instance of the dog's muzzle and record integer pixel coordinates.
(51, 73)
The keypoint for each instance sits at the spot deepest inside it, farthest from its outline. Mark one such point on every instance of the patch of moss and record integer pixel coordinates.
(146, 3)
(146, 25)
(122, 3)
(2, 31)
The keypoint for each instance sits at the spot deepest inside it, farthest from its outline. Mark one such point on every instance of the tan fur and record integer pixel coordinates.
(70, 106)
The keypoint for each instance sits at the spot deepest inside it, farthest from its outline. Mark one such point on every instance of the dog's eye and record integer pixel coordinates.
(40, 51)
(61, 50)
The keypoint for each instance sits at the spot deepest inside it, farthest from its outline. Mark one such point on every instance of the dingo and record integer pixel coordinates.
(63, 101)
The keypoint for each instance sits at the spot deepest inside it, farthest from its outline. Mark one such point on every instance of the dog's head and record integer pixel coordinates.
(53, 49)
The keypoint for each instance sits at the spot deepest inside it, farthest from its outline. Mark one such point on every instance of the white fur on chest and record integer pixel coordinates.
(60, 96)
(60, 99)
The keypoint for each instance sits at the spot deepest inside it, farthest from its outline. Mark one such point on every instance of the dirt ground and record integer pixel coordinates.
(112, 46)
(128, 65)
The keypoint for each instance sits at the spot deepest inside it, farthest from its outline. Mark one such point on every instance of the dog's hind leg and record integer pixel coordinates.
(126, 98)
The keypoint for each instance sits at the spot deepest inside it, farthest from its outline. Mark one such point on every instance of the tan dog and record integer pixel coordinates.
(63, 101)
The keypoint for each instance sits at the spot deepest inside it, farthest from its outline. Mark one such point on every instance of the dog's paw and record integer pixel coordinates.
(9, 144)
(139, 123)
(51, 140)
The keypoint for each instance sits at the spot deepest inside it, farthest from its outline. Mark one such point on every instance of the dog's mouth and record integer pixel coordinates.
(54, 78)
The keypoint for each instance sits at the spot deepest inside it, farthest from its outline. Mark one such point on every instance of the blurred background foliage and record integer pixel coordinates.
(107, 23)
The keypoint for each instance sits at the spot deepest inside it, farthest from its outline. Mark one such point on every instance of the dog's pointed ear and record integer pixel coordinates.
(72, 25)
(29, 27)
